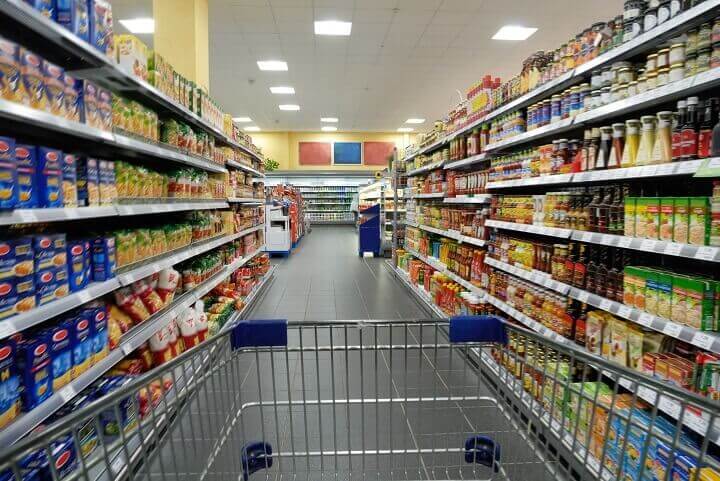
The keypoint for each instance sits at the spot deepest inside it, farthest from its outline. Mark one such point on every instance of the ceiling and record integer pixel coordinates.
(405, 58)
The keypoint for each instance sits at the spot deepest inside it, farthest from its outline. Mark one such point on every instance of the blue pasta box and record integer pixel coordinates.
(88, 182)
(35, 367)
(54, 77)
(82, 344)
(69, 180)
(101, 27)
(25, 288)
(74, 15)
(7, 259)
(61, 353)
(8, 174)
(78, 255)
(89, 114)
(33, 80)
(104, 99)
(49, 177)
(10, 71)
(63, 456)
(73, 99)
(8, 297)
(47, 284)
(103, 258)
(97, 313)
(46, 7)
(49, 251)
(126, 407)
(26, 159)
(16, 258)
(9, 384)
(86, 433)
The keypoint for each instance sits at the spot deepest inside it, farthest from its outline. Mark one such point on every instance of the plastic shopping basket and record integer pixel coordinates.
(469, 398)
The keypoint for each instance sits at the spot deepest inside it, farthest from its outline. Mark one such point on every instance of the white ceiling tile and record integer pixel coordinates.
(413, 17)
(291, 3)
(418, 4)
(411, 29)
(295, 27)
(436, 40)
(253, 14)
(463, 5)
(451, 18)
(373, 15)
(292, 14)
(334, 13)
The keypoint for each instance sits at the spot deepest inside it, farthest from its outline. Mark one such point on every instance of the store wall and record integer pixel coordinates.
(283, 146)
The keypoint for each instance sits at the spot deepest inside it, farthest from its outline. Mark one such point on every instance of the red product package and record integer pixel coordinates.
(131, 304)
(160, 346)
(152, 301)
(167, 284)
(188, 328)
(201, 321)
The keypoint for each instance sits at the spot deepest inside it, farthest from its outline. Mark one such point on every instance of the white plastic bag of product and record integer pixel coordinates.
(160, 346)
(201, 321)
(188, 328)
(167, 284)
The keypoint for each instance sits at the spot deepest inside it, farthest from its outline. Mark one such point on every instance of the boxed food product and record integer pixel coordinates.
(78, 255)
(700, 295)
(26, 158)
(681, 219)
(74, 15)
(49, 177)
(33, 81)
(51, 284)
(54, 91)
(35, 368)
(679, 299)
(630, 203)
(69, 180)
(101, 27)
(640, 283)
(88, 182)
(103, 258)
(9, 384)
(699, 224)
(664, 287)
(46, 7)
(99, 331)
(49, 251)
(618, 342)
(651, 290)
(61, 354)
(8, 174)
(73, 99)
(104, 106)
(82, 344)
(652, 217)
(107, 188)
(595, 332)
(641, 219)
(132, 55)
(10, 84)
(634, 347)
(667, 209)
(8, 297)
(89, 114)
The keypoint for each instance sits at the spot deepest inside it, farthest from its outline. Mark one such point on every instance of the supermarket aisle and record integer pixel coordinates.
(325, 279)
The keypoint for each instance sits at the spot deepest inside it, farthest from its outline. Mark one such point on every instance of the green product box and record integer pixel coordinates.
(664, 281)
(630, 206)
(699, 232)
(681, 219)
(641, 205)
(667, 208)
(678, 304)
(652, 217)
(699, 303)
(651, 291)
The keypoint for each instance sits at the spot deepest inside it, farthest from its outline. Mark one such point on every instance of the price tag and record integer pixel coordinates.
(605, 304)
(706, 253)
(587, 236)
(624, 311)
(703, 340)
(67, 393)
(625, 242)
(6, 328)
(673, 249)
(648, 245)
(27, 216)
(666, 169)
(583, 296)
(126, 349)
(84, 296)
(645, 319)
(648, 171)
(672, 329)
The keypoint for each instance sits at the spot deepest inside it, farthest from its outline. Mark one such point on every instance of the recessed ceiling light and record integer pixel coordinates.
(405, 129)
(252, 128)
(272, 65)
(242, 119)
(329, 128)
(139, 25)
(330, 120)
(514, 32)
(289, 107)
(332, 27)
(415, 121)
(283, 90)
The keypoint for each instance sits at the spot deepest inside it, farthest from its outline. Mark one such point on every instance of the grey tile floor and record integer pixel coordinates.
(325, 279)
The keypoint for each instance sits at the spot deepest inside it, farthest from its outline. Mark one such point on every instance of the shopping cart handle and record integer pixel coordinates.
(259, 333)
(478, 329)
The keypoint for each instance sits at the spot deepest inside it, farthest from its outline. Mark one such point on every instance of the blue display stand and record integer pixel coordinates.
(369, 231)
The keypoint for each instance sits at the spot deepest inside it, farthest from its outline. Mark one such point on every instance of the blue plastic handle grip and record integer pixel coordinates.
(478, 329)
(259, 333)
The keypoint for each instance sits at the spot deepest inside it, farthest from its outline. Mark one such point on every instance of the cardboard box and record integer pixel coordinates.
(681, 219)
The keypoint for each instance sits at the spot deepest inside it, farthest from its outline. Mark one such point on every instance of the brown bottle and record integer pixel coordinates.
(580, 267)
(580, 325)
(617, 276)
(570, 261)
(603, 210)
(617, 212)
(593, 209)
(591, 276)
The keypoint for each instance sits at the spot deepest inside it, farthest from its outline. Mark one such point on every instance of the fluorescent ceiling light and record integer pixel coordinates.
(330, 120)
(514, 32)
(252, 128)
(242, 119)
(329, 128)
(283, 90)
(289, 107)
(332, 27)
(405, 129)
(139, 25)
(272, 65)
(415, 121)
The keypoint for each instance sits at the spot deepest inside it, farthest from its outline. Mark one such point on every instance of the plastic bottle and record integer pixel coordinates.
(647, 140)
(690, 130)
(662, 150)
(632, 143)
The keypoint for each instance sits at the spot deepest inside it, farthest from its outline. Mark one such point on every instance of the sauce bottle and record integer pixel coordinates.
(647, 140)
(706, 128)
(602, 272)
(632, 143)
(580, 325)
(585, 155)
(580, 267)
(591, 274)
(662, 149)
(715, 143)
(603, 156)
(618, 145)
(593, 148)
(678, 121)
(690, 130)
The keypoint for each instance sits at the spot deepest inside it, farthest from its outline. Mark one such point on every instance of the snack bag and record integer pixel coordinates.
(167, 284)
(118, 324)
(201, 320)
(150, 299)
(187, 323)
(131, 305)
(160, 346)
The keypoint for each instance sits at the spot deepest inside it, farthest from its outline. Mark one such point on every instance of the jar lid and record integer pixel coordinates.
(676, 45)
(678, 65)
(652, 55)
(647, 118)
(632, 83)
(663, 51)
(663, 70)
(618, 125)
(652, 74)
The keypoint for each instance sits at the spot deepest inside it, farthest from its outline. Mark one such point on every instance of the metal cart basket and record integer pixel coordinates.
(469, 398)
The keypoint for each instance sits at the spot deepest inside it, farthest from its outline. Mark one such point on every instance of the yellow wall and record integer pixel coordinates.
(283, 146)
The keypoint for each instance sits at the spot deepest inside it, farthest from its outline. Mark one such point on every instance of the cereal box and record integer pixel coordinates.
(9, 384)
(35, 368)
(667, 208)
(69, 180)
(132, 55)
(10, 84)
(630, 216)
(8, 174)
(74, 15)
(49, 177)
(681, 219)
(104, 106)
(61, 353)
(73, 99)
(26, 158)
(101, 27)
(699, 231)
(88, 182)
(33, 80)
(82, 346)
(46, 7)
(54, 78)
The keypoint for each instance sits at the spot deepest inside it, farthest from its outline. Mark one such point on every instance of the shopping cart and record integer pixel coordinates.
(469, 398)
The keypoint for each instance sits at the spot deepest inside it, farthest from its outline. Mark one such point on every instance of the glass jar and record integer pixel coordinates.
(583, 94)
(677, 72)
(647, 140)
(703, 60)
(633, 9)
(605, 95)
(642, 84)
(715, 57)
(704, 38)
(691, 44)
(663, 58)
(677, 53)
(632, 89)
(625, 75)
(614, 93)
(596, 99)
(651, 63)
(664, 12)
(715, 36)
(663, 76)
(650, 19)
(622, 92)
(690, 64)
(651, 82)
(607, 77)
(675, 7)
(662, 148)
(596, 80)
